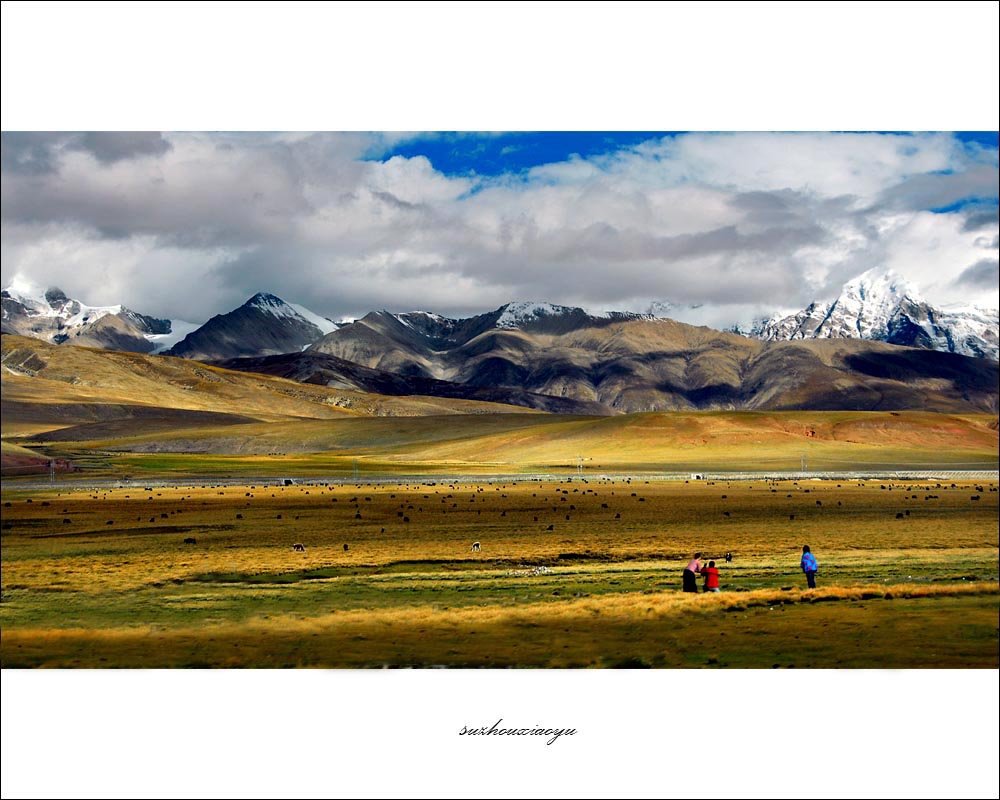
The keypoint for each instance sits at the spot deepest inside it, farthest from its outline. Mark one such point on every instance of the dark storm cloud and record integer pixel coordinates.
(980, 217)
(767, 208)
(759, 201)
(253, 194)
(981, 275)
(940, 190)
(109, 147)
(390, 199)
(29, 153)
(603, 242)
(38, 153)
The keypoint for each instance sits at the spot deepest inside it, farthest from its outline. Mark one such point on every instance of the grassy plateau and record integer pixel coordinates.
(582, 572)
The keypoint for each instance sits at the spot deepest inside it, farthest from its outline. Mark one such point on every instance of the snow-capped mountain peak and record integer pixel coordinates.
(880, 305)
(50, 315)
(264, 325)
(517, 314)
(276, 307)
(270, 303)
(523, 314)
(881, 283)
(54, 303)
(28, 294)
(869, 302)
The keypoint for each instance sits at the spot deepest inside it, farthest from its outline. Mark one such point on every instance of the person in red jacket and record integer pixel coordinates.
(711, 577)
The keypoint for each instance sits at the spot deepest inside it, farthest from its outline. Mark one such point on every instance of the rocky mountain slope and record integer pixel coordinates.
(633, 363)
(264, 325)
(336, 373)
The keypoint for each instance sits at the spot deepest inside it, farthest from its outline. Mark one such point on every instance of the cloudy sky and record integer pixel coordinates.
(186, 225)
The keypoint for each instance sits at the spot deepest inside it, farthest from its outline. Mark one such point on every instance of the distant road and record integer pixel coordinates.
(427, 478)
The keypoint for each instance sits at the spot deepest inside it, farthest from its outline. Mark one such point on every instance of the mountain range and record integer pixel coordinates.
(878, 305)
(877, 347)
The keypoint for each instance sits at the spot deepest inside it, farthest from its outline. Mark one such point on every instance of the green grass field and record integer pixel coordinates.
(579, 573)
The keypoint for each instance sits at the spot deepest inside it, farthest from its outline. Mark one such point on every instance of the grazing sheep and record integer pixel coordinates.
(346, 548)
(299, 548)
(475, 547)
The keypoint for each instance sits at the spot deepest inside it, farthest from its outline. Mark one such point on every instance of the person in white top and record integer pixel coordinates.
(691, 571)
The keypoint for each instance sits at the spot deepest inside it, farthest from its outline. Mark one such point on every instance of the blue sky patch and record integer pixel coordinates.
(489, 155)
(492, 154)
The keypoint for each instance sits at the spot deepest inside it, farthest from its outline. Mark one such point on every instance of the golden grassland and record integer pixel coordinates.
(515, 442)
(584, 572)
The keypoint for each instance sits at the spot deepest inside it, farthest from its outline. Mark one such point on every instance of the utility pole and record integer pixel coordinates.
(803, 464)
(52, 472)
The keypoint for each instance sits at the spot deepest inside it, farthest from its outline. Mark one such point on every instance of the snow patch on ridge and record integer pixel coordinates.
(277, 307)
(520, 313)
(179, 328)
(324, 324)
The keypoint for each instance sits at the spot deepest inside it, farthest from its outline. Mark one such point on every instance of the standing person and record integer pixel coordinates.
(693, 568)
(711, 577)
(809, 566)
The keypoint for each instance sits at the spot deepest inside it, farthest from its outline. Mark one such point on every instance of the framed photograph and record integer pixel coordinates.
(380, 380)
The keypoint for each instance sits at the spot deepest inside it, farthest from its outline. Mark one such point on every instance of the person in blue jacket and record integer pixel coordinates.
(809, 566)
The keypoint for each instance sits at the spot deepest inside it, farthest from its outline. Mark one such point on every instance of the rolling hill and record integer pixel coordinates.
(46, 387)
